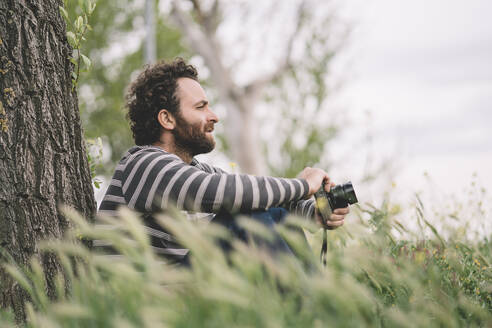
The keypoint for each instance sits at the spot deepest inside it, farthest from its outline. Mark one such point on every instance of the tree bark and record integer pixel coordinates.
(43, 160)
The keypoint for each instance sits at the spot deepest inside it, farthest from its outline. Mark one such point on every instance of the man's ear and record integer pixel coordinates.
(166, 119)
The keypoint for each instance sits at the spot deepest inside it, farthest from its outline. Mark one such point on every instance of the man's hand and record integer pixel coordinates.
(314, 178)
(336, 218)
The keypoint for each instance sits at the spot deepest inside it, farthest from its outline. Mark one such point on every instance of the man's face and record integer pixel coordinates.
(195, 120)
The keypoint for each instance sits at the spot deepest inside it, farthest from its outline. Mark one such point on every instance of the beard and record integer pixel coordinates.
(192, 138)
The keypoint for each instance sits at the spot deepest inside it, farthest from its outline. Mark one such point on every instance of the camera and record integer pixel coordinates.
(339, 196)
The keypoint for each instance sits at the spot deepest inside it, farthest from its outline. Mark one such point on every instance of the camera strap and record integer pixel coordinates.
(323, 206)
(324, 248)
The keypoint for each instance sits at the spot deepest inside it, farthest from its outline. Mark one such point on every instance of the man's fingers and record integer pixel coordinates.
(314, 178)
(341, 211)
(335, 217)
(329, 185)
(334, 223)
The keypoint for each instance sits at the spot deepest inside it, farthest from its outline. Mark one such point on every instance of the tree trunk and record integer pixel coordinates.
(43, 160)
(242, 133)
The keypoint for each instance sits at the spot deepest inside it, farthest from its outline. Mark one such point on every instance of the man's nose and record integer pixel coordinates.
(214, 118)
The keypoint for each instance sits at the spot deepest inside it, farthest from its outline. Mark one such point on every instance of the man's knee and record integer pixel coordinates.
(271, 216)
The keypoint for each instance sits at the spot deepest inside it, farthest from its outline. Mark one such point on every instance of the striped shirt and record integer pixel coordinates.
(149, 179)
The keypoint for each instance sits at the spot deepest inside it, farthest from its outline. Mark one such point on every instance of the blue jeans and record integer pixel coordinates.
(268, 218)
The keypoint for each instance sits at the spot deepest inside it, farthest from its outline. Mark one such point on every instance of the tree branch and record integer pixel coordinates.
(209, 20)
(203, 42)
(198, 10)
(258, 84)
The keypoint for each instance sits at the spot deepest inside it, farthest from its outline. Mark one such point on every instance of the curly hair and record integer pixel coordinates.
(154, 90)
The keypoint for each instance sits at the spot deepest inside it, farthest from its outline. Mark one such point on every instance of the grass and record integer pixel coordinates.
(373, 277)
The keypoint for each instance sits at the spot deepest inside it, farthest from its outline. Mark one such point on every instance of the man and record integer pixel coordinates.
(172, 121)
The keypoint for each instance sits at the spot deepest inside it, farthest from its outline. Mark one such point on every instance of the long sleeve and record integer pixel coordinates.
(303, 208)
(152, 179)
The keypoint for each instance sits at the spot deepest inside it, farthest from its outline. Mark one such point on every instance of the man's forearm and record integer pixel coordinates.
(302, 208)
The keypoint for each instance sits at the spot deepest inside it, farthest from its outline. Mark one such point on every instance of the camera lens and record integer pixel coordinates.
(341, 195)
(349, 193)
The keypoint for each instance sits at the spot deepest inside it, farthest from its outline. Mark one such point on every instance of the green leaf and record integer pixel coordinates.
(64, 13)
(87, 5)
(72, 40)
(91, 8)
(79, 22)
(86, 60)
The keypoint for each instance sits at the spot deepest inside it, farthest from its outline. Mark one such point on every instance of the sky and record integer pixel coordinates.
(420, 83)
